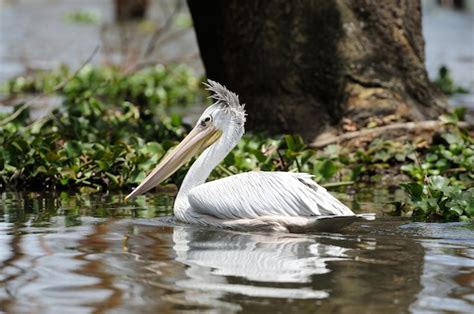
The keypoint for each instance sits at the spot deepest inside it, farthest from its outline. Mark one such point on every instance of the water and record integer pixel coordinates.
(449, 41)
(94, 254)
(35, 35)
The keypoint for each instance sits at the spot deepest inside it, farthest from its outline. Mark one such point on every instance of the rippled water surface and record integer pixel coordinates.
(94, 254)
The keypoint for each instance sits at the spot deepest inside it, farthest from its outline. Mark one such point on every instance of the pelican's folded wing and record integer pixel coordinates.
(256, 194)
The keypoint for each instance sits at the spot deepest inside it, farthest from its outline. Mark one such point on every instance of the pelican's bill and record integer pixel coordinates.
(196, 141)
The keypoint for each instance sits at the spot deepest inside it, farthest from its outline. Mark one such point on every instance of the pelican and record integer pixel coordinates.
(250, 201)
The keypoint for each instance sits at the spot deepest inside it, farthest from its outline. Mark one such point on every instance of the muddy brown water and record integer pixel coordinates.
(62, 253)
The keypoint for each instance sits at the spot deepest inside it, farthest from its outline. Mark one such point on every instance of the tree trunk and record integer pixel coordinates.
(302, 65)
(130, 9)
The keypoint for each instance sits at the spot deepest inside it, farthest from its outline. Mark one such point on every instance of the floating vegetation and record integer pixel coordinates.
(111, 130)
(439, 201)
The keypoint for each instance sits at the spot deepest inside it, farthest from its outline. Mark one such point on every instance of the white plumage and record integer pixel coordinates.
(263, 201)
(255, 194)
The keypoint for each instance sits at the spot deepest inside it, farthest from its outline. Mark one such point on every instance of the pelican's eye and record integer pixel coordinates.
(205, 121)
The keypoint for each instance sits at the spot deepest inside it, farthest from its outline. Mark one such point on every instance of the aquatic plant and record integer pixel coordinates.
(109, 132)
(439, 201)
(450, 154)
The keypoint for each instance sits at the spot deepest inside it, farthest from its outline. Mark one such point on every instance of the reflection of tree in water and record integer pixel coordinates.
(110, 295)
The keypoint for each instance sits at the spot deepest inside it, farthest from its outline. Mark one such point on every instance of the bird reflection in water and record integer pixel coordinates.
(219, 263)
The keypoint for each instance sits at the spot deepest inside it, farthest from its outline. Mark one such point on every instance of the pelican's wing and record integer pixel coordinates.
(256, 194)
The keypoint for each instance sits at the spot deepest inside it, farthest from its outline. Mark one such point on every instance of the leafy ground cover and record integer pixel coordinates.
(110, 131)
(437, 200)
(113, 128)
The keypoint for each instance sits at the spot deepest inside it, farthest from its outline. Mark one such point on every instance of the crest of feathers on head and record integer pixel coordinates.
(226, 98)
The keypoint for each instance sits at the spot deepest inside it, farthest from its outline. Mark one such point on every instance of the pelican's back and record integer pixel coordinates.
(257, 194)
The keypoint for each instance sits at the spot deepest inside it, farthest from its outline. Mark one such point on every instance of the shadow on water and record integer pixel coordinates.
(94, 254)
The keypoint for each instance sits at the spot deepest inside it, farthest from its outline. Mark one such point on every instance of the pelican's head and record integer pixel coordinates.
(224, 113)
(225, 110)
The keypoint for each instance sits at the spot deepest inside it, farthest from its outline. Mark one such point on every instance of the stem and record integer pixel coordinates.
(336, 184)
(282, 161)
(225, 170)
(298, 164)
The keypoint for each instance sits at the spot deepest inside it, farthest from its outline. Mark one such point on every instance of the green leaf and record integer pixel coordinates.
(52, 157)
(9, 168)
(327, 169)
(356, 172)
(154, 148)
(176, 120)
(73, 148)
(40, 169)
(414, 190)
(460, 112)
(408, 167)
(102, 164)
(457, 210)
(430, 157)
(439, 183)
(452, 138)
(442, 164)
(290, 142)
(112, 177)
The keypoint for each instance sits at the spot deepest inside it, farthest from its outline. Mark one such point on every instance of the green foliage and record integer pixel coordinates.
(439, 201)
(111, 130)
(446, 83)
(451, 155)
(289, 153)
(82, 16)
(286, 153)
(152, 89)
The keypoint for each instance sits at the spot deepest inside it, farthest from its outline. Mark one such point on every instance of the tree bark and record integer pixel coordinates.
(130, 9)
(302, 65)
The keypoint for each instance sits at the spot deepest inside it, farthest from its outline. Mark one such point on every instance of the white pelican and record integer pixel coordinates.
(255, 200)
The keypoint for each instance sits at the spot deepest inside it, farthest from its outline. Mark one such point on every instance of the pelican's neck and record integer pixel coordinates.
(202, 167)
